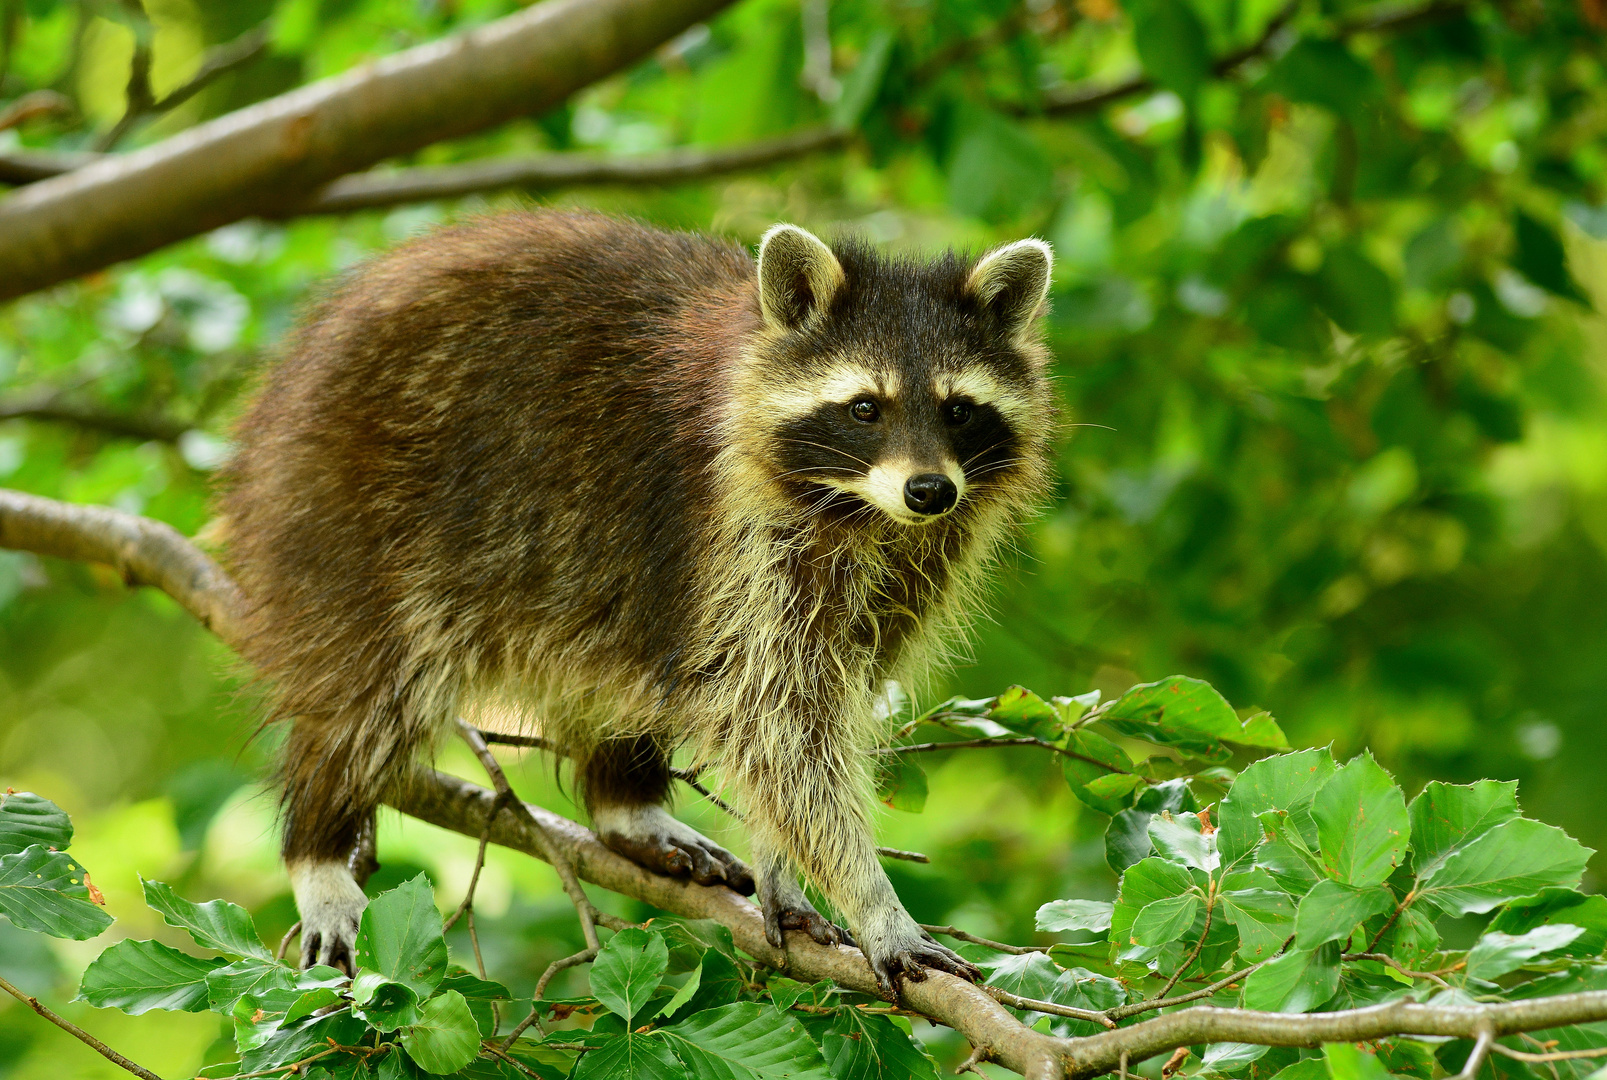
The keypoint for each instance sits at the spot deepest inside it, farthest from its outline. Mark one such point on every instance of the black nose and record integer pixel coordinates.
(930, 493)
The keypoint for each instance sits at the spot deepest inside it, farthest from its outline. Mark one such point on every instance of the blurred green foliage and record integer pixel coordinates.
(1328, 315)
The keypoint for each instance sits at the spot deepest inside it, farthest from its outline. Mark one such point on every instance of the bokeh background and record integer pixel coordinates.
(1328, 346)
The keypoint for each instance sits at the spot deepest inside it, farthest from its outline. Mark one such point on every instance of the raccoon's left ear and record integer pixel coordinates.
(1012, 282)
(798, 276)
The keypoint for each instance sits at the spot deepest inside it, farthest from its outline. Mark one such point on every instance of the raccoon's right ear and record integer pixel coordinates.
(798, 276)
(1012, 282)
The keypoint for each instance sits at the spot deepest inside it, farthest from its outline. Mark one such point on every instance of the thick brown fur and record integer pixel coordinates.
(534, 463)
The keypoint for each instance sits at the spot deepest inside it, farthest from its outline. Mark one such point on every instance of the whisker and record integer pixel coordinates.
(833, 449)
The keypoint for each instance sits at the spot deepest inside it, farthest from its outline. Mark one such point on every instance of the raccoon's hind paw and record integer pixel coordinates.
(650, 837)
(331, 905)
(908, 955)
(810, 921)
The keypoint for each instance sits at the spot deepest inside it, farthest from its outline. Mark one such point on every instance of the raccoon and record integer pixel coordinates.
(643, 493)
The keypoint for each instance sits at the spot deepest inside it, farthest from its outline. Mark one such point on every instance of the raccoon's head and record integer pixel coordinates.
(916, 388)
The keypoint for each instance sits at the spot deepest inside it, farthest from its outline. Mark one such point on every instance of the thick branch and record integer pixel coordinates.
(262, 158)
(143, 551)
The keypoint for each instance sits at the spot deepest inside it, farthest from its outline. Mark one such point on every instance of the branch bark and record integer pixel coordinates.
(150, 552)
(260, 159)
(55, 408)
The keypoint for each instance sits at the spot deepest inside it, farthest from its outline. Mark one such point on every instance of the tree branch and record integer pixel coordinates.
(54, 408)
(148, 551)
(1083, 98)
(29, 106)
(79, 1033)
(259, 159)
(362, 191)
(217, 63)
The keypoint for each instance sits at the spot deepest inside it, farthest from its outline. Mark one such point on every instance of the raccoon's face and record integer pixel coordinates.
(912, 389)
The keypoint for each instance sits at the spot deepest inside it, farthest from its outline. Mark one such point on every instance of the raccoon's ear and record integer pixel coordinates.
(1012, 282)
(798, 276)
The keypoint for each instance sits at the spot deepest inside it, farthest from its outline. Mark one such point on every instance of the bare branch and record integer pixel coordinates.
(30, 166)
(79, 1033)
(259, 159)
(138, 95)
(53, 407)
(362, 191)
(1122, 1012)
(1016, 1001)
(34, 105)
(1084, 98)
(996, 946)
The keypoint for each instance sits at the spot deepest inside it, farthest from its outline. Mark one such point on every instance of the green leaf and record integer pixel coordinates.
(1179, 711)
(862, 85)
(632, 1057)
(445, 1039)
(1226, 1057)
(1539, 256)
(1090, 759)
(1024, 974)
(1324, 73)
(472, 987)
(1172, 44)
(1061, 915)
(1447, 817)
(1297, 981)
(137, 976)
(400, 937)
(1553, 906)
(228, 984)
(866, 1046)
(385, 1004)
(747, 1041)
(1264, 919)
(1308, 1069)
(1025, 713)
(997, 170)
(628, 970)
(690, 988)
(1182, 839)
(1288, 784)
(216, 924)
(1142, 884)
(1261, 730)
(1127, 839)
(45, 891)
(310, 1002)
(1331, 910)
(1164, 920)
(1362, 827)
(27, 819)
(900, 783)
(1413, 936)
(1348, 1061)
(1357, 295)
(1495, 954)
(1516, 858)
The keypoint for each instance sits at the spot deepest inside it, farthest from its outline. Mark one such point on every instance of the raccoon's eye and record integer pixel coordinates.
(957, 413)
(864, 410)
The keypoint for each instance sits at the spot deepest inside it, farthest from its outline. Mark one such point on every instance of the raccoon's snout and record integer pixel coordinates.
(930, 494)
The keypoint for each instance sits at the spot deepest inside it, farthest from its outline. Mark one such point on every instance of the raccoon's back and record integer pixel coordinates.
(500, 425)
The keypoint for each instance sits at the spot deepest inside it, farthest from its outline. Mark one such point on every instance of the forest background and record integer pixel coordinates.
(1325, 319)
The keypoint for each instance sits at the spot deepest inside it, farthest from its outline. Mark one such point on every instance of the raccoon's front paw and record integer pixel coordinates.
(779, 919)
(650, 837)
(331, 905)
(905, 950)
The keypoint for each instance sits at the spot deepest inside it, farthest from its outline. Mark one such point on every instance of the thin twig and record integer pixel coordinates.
(1389, 922)
(559, 860)
(496, 1052)
(284, 942)
(978, 1055)
(479, 864)
(79, 1033)
(1390, 961)
(974, 744)
(1481, 1050)
(1016, 1001)
(1122, 1012)
(29, 106)
(996, 946)
(53, 407)
(584, 956)
(1554, 1055)
(1210, 902)
(214, 65)
(138, 93)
